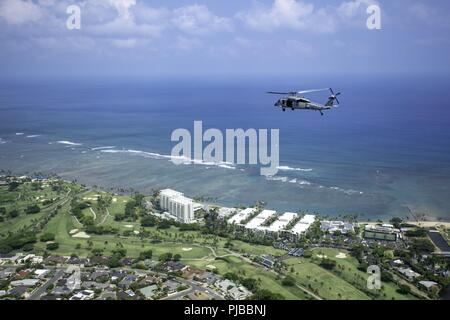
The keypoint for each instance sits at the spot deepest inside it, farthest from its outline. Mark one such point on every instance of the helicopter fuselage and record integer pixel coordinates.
(300, 103)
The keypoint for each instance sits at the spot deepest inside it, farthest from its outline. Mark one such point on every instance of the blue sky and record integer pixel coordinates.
(204, 37)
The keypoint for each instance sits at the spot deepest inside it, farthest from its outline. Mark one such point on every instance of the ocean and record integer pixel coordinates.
(384, 152)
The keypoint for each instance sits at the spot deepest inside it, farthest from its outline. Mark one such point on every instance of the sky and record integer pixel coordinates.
(216, 37)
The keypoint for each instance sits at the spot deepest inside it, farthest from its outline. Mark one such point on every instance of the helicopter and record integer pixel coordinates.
(296, 100)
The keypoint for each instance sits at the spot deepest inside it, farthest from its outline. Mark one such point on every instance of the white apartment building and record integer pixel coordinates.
(282, 221)
(241, 216)
(303, 225)
(257, 221)
(177, 205)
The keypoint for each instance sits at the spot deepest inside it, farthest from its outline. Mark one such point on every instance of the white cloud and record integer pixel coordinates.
(123, 7)
(124, 25)
(145, 14)
(303, 16)
(199, 20)
(17, 12)
(351, 9)
(282, 13)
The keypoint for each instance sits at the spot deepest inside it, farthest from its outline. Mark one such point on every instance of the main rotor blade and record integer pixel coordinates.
(284, 93)
(312, 90)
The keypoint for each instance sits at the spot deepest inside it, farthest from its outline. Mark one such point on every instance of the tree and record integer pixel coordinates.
(32, 209)
(422, 246)
(52, 246)
(250, 283)
(164, 224)
(119, 217)
(13, 186)
(231, 276)
(165, 257)
(403, 289)
(386, 276)
(48, 237)
(114, 261)
(13, 213)
(146, 255)
(328, 264)
(264, 294)
(177, 257)
(417, 233)
(396, 222)
(148, 221)
(288, 281)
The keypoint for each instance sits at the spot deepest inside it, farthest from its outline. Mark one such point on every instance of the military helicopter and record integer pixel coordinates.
(296, 100)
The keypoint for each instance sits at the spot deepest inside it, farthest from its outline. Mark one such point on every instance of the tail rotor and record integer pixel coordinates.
(334, 96)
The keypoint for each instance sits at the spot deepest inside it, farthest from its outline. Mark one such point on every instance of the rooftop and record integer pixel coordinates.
(241, 215)
(304, 224)
(282, 221)
(259, 219)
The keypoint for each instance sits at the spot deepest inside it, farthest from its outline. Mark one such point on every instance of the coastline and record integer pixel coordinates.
(421, 223)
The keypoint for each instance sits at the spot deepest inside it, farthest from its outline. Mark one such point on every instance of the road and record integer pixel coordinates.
(36, 294)
(93, 213)
(105, 217)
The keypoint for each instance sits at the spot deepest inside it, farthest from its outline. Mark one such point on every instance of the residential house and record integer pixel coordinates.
(83, 295)
(232, 290)
(408, 273)
(18, 292)
(126, 282)
(430, 286)
(149, 291)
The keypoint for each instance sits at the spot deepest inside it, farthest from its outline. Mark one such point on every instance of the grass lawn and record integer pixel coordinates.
(347, 270)
(63, 223)
(255, 249)
(268, 280)
(20, 199)
(322, 282)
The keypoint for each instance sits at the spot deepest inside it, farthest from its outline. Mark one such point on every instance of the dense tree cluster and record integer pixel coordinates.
(18, 240)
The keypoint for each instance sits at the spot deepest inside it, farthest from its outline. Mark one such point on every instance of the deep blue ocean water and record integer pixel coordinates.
(385, 151)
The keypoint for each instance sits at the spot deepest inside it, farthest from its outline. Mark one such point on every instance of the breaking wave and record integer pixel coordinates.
(289, 180)
(287, 168)
(69, 143)
(183, 160)
(303, 183)
(102, 148)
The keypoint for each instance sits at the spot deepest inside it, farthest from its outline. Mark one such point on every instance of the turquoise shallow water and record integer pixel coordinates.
(384, 152)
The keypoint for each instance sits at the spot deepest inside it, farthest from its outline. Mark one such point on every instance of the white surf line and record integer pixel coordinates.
(102, 148)
(95, 216)
(69, 143)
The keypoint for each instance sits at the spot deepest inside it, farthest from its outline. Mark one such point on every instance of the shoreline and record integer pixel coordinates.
(420, 223)
(432, 222)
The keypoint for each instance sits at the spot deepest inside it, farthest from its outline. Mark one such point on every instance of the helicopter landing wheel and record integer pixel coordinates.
(284, 109)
